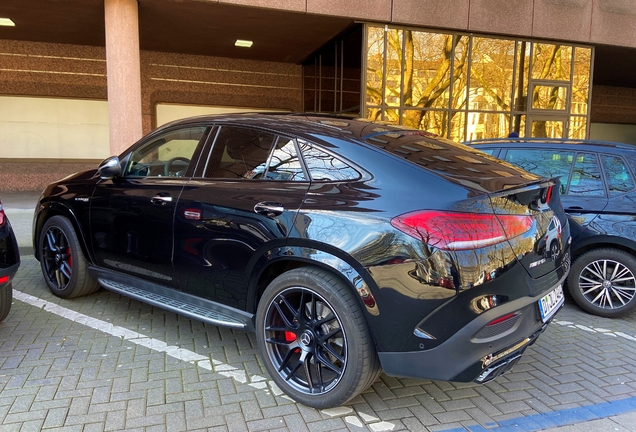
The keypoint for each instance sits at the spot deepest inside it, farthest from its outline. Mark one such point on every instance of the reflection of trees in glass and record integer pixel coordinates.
(322, 166)
(581, 80)
(491, 73)
(618, 178)
(422, 79)
(545, 163)
(418, 73)
(284, 163)
(586, 176)
(549, 62)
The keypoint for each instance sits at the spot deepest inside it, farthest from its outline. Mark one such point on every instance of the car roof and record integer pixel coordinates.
(461, 164)
(593, 145)
(302, 123)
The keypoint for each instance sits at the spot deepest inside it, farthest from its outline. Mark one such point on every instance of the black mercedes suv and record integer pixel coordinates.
(350, 247)
(598, 191)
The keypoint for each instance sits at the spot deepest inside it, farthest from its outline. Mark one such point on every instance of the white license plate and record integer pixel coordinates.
(550, 303)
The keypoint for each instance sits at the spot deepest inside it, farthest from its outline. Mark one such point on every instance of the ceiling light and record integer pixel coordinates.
(7, 22)
(243, 43)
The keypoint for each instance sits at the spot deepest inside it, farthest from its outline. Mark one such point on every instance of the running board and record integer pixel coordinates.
(175, 301)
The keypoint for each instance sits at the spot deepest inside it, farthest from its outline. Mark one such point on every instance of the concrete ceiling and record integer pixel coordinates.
(208, 28)
(180, 26)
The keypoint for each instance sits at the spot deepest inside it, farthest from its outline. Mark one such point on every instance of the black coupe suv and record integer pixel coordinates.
(9, 263)
(598, 191)
(350, 247)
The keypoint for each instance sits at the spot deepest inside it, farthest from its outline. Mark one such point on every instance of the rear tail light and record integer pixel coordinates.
(461, 231)
(1, 215)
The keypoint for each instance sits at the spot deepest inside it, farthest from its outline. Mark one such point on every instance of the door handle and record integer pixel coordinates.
(161, 199)
(268, 208)
(575, 208)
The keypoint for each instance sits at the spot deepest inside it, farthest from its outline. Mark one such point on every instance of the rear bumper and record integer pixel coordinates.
(9, 252)
(9, 271)
(465, 357)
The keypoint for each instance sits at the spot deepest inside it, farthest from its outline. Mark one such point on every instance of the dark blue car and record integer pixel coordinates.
(598, 192)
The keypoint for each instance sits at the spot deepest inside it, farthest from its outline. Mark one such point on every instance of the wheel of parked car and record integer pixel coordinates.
(603, 282)
(314, 339)
(6, 297)
(63, 263)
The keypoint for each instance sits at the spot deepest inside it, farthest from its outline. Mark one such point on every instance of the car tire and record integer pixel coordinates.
(64, 266)
(603, 282)
(314, 339)
(6, 297)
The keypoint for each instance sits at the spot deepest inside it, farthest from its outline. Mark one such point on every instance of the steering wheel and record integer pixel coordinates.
(173, 160)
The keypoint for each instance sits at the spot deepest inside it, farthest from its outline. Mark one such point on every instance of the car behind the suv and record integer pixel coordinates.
(598, 191)
(9, 263)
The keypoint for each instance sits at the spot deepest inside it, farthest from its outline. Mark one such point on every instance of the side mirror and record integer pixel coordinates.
(109, 168)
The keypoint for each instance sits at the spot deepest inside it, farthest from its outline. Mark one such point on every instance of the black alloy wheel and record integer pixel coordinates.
(314, 339)
(603, 282)
(63, 264)
(57, 258)
(305, 341)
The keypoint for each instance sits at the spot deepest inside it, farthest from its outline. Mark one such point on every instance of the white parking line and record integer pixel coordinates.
(192, 357)
(596, 330)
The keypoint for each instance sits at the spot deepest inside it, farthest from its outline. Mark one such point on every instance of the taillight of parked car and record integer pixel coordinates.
(461, 231)
(2, 217)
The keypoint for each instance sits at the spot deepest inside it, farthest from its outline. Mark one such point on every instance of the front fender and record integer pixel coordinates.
(49, 209)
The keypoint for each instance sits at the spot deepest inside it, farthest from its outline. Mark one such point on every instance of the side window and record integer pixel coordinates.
(324, 167)
(487, 151)
(283, 163)
(545, 163)
(169, 155)
(619, 179)
(586, 177)
(239, 152)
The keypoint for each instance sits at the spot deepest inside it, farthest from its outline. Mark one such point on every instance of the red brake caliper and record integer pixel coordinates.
(289, 338)
(70, 257)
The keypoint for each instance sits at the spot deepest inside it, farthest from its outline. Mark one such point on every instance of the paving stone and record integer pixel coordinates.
(61, 372)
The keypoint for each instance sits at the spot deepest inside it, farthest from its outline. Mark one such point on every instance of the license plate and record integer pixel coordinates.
(549, 304)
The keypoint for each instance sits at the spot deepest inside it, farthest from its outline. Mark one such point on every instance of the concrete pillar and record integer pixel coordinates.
(123, 73)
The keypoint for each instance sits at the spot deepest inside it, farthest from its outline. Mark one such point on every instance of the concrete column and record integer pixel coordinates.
(123, 73)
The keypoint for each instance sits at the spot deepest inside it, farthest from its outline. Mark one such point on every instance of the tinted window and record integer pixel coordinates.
(586, 177)
(238, 153)
(487, 151)
(283, 163)
(619, 179)
(168, 155)
(324, 167)
(546, 163)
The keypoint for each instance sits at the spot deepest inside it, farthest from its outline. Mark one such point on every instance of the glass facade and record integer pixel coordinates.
(467, 87)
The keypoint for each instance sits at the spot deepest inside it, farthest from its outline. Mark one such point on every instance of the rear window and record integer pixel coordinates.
(546, 163)
(440, 154)
(619, 179)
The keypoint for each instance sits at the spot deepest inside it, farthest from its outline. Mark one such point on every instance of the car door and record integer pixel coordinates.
(583, 192)
(241, 202)
(132, 215)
